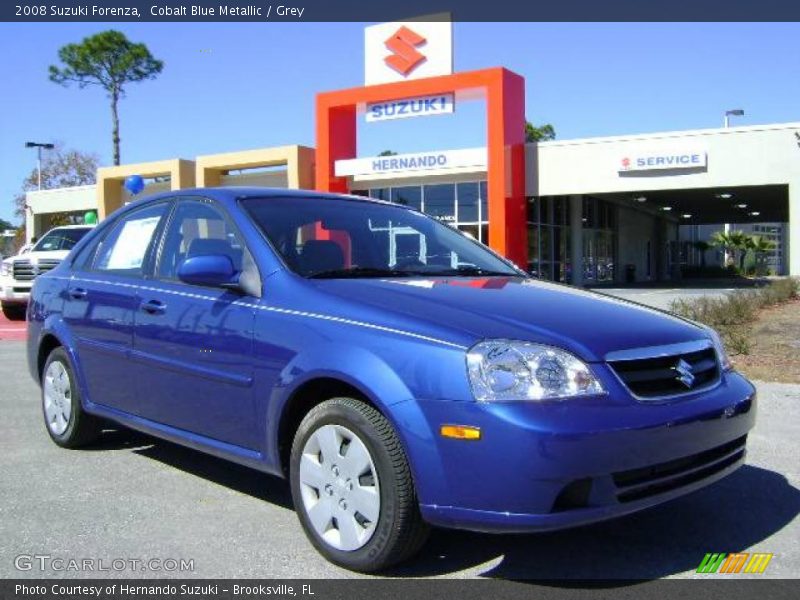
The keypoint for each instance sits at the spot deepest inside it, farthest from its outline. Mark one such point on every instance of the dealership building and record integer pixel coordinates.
(585, 211)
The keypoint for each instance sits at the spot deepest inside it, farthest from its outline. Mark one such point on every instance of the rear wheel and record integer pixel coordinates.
(66, 422)
(14, 312)
(352, 487)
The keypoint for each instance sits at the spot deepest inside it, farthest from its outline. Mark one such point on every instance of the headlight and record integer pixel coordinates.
(5, 269)
(509, 370)
(724, 361)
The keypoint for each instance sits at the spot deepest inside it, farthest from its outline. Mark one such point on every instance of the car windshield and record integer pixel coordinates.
(61, 239)
(323, 237)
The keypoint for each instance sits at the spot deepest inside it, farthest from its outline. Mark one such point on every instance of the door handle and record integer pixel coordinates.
(77, 293)
(153, 307)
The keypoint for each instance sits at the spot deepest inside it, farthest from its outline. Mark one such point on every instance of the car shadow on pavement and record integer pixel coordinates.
(734, 514)
(222, 472)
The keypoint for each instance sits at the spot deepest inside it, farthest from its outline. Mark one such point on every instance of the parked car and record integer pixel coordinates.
(18, 272)
(398, 373)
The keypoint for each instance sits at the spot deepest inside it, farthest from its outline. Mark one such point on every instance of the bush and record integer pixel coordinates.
(733, 315)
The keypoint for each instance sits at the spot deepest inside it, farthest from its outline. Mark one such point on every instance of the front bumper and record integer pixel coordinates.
(554, 465)
(14, 292)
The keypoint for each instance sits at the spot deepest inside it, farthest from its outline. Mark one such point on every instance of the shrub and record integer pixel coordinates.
(733, 315)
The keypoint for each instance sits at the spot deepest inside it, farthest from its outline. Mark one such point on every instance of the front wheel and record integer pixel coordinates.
(67, 423)
(352, 487)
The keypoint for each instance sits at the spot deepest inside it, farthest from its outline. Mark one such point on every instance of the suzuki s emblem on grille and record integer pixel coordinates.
(405, 57)
(35, 269)
(684, 373)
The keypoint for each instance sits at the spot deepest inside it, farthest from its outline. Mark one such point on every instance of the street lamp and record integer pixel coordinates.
(39, 146)
(736, 112)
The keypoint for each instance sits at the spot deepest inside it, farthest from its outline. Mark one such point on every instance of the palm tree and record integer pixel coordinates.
(737, 243)
(722, 239)
(741, 243)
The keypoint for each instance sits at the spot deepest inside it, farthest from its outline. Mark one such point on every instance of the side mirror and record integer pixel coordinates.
(210, 270)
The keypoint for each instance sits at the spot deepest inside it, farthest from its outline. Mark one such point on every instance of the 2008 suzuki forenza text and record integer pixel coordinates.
(397, 372)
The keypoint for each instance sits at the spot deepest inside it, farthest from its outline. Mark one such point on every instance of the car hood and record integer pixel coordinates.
(587, 323)
(35, 256)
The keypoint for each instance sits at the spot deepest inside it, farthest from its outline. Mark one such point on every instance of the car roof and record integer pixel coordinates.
(71, 227)
(233, 193)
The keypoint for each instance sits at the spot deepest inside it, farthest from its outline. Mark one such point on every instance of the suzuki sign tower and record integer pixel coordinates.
(409, 61)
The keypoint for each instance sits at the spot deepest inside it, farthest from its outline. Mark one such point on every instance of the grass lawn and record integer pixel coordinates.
(775, 351)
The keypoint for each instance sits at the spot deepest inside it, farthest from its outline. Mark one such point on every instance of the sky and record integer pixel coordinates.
(237, 86)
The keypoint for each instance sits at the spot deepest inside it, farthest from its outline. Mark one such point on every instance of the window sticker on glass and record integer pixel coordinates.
(131, 245)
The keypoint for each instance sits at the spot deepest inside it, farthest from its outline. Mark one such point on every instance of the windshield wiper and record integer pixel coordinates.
(354, 272)
(472, 271)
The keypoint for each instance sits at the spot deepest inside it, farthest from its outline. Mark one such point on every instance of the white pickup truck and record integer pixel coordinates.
(18, 272)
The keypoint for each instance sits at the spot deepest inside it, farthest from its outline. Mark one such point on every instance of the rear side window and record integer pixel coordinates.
(125, 248)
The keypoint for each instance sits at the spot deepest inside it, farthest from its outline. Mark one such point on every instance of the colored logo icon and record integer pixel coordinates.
(405, 57)
(736, 562)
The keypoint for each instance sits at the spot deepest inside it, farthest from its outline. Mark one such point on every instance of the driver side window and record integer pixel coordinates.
(196, 229)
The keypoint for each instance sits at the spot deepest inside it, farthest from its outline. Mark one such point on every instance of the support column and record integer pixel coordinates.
(662, 250)
(30, 225)
(508, 214)
(576, 238)
(793, 229)
(336, 140)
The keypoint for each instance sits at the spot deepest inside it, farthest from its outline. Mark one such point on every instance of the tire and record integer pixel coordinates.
(340, 488)
(64, 418)
(14, 312)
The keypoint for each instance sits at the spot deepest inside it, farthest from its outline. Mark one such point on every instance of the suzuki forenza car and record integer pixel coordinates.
(397, 372)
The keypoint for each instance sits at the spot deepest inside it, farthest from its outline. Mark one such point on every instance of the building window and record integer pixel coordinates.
(410, 196)
(467, 195)
(464, 204)
(549, 239)
(380, 194)
(440, 201)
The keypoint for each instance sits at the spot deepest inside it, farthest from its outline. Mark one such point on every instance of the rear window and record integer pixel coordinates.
(61, 239)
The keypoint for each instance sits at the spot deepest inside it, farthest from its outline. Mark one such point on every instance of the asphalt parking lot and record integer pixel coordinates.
(134, 497)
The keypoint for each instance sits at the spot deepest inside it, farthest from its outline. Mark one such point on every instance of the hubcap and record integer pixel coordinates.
(57, 398)
(339, 487)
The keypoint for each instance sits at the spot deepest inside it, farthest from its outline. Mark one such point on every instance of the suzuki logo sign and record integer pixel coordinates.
(684, 373)
(405, 57)
(400, 51)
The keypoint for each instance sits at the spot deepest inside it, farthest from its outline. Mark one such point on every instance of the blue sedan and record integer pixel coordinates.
(398, 373)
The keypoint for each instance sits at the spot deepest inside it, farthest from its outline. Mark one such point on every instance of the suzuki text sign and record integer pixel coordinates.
(421, 106)
(404, 50)
(417, 161)
(661, 159)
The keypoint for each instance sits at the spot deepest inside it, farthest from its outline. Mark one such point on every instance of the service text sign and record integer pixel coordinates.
(664, 159)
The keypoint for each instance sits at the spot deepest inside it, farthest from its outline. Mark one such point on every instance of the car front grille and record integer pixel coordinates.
(665, 376)
(637, 484)
(26, 270)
